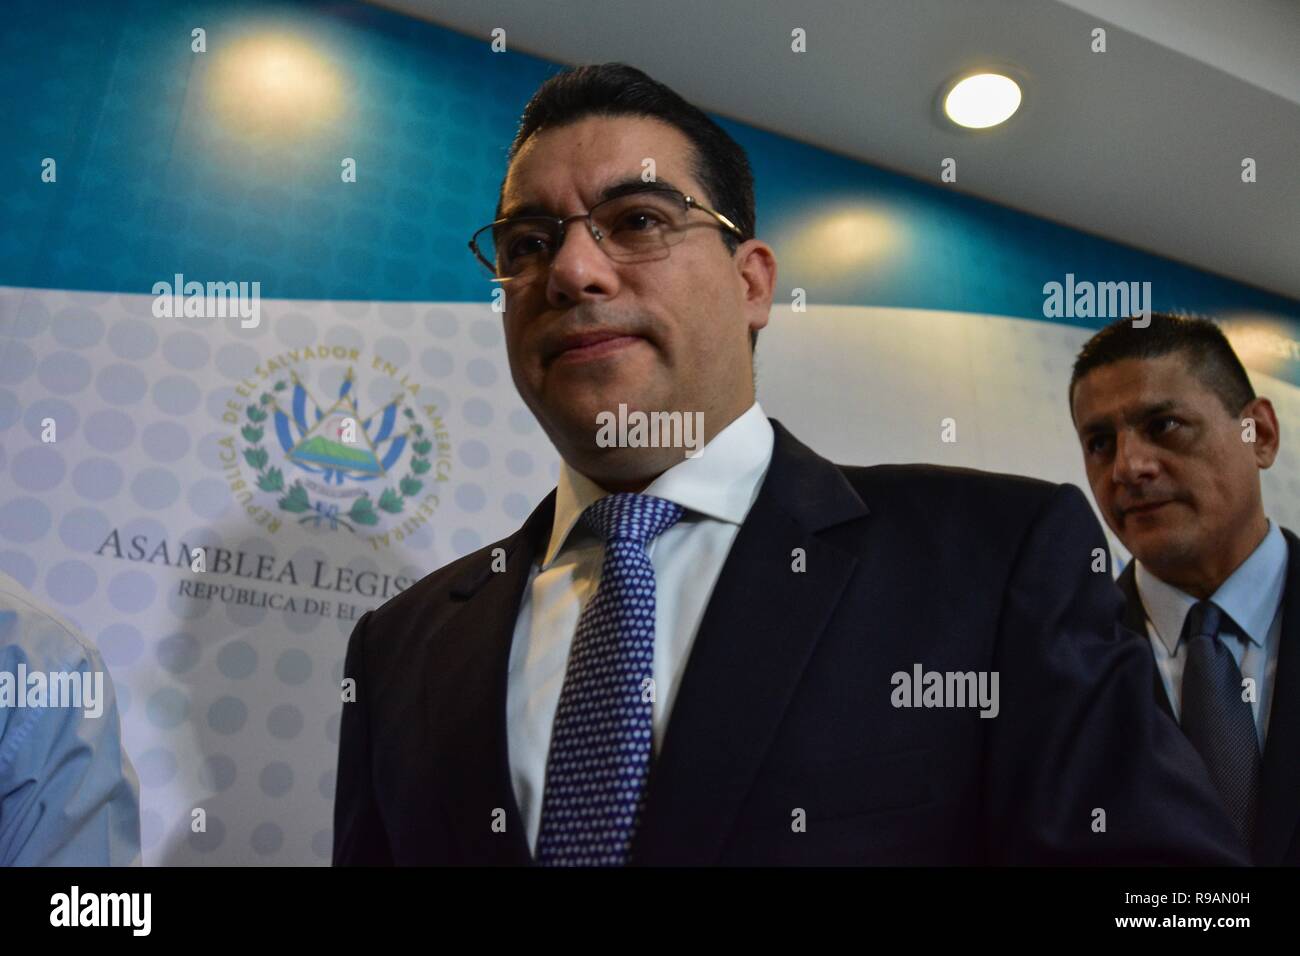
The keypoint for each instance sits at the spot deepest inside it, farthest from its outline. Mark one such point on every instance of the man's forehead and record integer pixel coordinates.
(1142, 376)
(588, 156)
(1132, 389)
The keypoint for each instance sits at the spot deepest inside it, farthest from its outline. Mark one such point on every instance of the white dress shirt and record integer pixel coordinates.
(1251, 596)
(716, 489)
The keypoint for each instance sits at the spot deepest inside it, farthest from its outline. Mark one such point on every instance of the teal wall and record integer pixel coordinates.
(152, 180)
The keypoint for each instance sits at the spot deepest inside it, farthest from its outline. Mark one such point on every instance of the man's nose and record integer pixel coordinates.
(1135, 459)
(580, 269)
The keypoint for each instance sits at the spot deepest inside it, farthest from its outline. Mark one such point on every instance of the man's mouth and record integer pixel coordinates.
(1145, 509)
(590, 346)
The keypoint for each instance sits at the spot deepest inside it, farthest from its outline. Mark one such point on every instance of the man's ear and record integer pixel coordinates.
(756, 267)
(1267, 436)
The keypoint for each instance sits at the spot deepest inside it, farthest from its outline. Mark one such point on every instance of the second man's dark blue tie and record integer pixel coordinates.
(1216, 718)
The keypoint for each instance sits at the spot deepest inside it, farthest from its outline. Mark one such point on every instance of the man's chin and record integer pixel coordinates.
(581, 421)
(582, 409)
(1159, 547)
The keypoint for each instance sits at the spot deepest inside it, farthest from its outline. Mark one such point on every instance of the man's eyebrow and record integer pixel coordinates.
(1143, 412)
(634, 184)
(1132, 416)
(620, 187)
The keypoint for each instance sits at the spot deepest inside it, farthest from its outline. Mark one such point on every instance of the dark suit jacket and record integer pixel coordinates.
(786, 698)
(1277, 841)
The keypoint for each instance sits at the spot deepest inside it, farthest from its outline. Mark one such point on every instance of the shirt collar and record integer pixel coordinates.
(720, 483)
(1250, 596)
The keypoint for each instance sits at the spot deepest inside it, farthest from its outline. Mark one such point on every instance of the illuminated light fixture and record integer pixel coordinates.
(844, 241)
(274, 87)
(982, 100)
(1264, 342)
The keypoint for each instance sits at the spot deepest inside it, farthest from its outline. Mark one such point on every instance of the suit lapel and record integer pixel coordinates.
(1135, 619)
(758, 632)
(468, 695)
(1279, 800)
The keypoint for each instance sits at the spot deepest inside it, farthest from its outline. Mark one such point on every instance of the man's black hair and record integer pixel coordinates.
(1203, 345)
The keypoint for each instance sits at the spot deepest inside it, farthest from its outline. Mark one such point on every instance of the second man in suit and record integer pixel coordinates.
(1174, 440)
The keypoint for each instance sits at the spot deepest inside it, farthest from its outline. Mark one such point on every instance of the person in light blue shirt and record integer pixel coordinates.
(1174, 441)
(68, 793)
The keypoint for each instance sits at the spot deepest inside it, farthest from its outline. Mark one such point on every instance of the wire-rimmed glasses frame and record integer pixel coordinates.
(556, 229)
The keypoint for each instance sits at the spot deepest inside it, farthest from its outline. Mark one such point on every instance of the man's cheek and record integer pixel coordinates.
(1097, 482)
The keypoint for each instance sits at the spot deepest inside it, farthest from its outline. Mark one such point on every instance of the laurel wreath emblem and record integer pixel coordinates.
(296, 498)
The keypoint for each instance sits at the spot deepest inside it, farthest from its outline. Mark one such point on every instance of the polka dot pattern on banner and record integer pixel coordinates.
(144, 464)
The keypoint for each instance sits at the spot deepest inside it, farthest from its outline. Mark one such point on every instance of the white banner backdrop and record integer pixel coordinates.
(184, 436)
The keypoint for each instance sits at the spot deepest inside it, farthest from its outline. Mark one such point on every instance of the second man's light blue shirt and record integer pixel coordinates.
(1251, 597)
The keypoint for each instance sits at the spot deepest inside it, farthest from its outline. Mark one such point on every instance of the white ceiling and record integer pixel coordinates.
(1142, 144)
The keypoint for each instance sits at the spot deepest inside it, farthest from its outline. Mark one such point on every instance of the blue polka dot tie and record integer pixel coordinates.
(602, 736)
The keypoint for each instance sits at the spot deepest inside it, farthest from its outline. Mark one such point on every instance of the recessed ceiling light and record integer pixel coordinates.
(982, 100)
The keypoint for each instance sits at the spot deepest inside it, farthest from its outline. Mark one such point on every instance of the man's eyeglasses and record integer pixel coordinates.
(633, 227)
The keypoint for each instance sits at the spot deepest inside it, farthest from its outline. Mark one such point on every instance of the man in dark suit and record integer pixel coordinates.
(749, 655)
(1174, 439)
